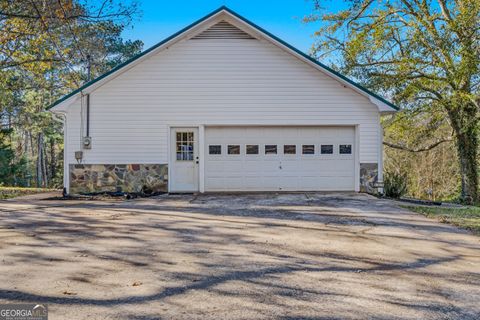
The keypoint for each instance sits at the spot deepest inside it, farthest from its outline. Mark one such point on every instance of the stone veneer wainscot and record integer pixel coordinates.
(131, 178)
(138, 178)
(368, 177)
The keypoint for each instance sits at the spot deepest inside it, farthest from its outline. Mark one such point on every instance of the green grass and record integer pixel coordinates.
(12, 192)
(467, 218)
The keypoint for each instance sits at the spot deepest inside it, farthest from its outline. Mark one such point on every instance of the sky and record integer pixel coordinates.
(283, 18)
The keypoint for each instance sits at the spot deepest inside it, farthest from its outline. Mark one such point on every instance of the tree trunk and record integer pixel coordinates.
(42, 179)
(39, 160)
(463, 118)
(467, 146)
(53, 160)
(464, 123)
(44, 165)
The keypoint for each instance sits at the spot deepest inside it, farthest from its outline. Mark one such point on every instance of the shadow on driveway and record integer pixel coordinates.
(286, 256)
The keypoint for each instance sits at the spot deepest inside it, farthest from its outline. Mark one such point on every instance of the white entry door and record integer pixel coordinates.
(184, 160)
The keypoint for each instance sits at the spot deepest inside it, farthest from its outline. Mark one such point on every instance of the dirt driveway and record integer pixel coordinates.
(290, 256)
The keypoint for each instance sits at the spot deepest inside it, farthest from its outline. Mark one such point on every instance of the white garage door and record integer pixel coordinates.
(279, 158)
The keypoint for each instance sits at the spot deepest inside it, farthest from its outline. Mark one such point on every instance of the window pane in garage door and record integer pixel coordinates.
(233, 149)
(308, 149)
(215, 149)
(345, 149)
(289, 149)
(252, 148)
(326, 149)
(270, 149)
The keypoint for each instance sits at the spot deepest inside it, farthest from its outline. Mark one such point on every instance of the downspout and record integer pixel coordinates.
(86, 140)
(89, 72)
(380, 188)
(88, 115)
(62, 116)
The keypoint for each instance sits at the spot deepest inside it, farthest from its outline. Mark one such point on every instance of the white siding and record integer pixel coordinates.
(214, 81)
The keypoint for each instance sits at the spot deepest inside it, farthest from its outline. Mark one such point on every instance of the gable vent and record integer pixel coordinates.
(223, 30)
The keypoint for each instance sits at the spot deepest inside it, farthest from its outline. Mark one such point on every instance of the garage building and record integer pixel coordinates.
(222, 106)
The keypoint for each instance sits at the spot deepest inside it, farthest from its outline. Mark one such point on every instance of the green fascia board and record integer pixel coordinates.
(253, 25)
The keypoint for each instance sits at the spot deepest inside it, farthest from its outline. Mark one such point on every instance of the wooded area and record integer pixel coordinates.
(424, 55)
(46, 48)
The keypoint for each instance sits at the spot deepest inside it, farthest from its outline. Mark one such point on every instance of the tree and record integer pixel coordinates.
(11, 168)
(422, 54)
(429, 163)
(44, 50)
(32, 31)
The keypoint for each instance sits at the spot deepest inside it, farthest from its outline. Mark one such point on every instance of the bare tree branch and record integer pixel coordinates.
(423, 149)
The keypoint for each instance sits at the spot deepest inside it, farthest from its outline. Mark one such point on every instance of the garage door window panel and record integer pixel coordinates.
(270, 149)
(289, 149)
(326, 149)
(252, 149)
(345, 149)
(308, 149)
(234, 149)
(215, 149)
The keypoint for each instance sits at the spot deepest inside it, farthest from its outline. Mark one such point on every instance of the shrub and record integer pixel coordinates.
(395, 184)
(13, 192)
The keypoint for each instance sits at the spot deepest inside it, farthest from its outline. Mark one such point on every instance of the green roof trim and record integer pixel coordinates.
(253, 25)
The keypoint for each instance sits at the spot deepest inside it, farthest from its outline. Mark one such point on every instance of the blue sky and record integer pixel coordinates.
(161, 18)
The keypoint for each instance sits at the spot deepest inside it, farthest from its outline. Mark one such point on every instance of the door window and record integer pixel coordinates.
(184, 146)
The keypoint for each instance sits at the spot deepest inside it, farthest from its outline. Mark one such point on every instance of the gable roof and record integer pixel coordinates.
(382, 104)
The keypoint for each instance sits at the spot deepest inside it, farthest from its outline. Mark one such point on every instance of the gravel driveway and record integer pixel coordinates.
(288, 256)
